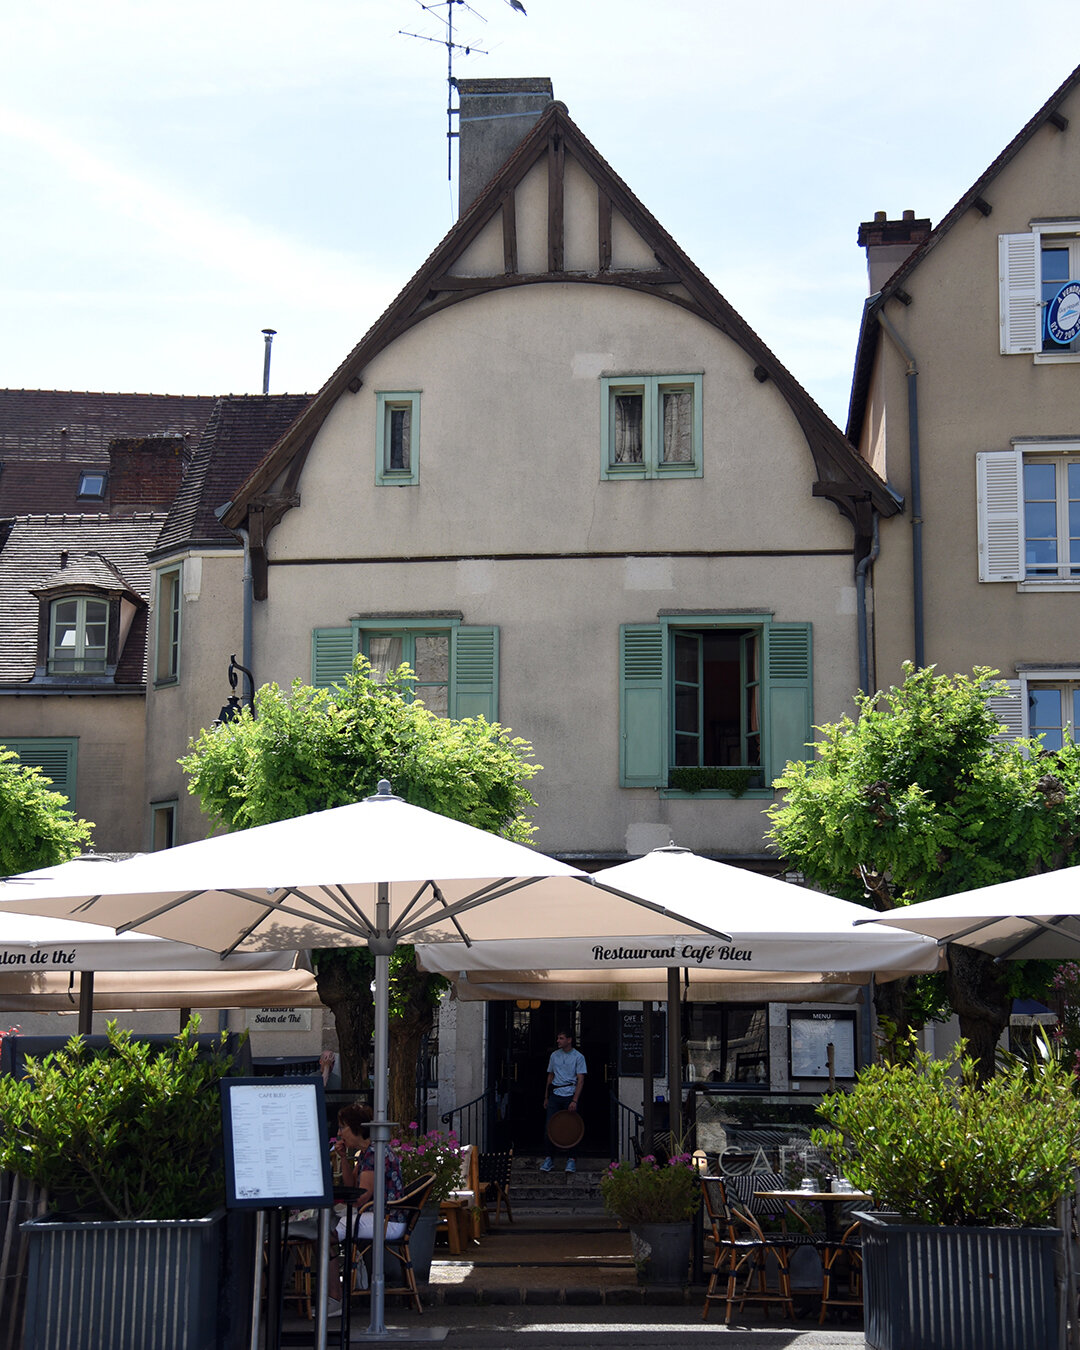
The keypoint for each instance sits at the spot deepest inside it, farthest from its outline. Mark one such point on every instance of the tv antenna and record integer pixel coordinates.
(447, 41)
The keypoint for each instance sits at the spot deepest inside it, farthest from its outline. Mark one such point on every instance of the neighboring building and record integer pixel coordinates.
(85, 483)
(966, 397)
(565, 481)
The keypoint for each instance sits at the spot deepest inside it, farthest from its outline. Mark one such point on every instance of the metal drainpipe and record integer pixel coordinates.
(912, 374)
(249, 596)
(861, 573)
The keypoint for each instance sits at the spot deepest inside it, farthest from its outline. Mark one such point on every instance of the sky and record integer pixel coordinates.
(177, 177)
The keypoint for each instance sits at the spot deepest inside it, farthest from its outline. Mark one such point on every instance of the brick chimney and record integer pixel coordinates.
(145, 472)
(888, 243)
(495, 115)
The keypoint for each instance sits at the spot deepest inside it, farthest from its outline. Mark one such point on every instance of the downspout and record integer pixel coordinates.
(248, 601)
(861, 573)
(912, 374)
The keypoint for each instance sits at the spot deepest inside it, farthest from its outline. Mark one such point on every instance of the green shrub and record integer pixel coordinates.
(691, 779)
(131, 1131)
(931, 1141)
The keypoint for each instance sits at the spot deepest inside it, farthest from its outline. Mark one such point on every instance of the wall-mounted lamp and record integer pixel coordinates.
(236, 702)
(527, 1004)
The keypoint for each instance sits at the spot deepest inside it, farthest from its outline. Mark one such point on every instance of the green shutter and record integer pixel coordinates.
(789, 694)
(474, 673)
(643, 705)
(332, 652)
(55, 756)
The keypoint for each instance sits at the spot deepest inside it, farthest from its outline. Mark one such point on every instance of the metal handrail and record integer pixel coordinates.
(473, 1118)
(626, 1128)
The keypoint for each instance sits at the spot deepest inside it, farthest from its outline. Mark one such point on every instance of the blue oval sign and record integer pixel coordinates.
(1063, 316)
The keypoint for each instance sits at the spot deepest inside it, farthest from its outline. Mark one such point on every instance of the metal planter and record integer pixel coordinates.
(929, 1288)
(662, 1252)
(149, 1284)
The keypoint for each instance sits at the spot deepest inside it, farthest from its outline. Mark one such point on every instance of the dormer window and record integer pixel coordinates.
(78, 635)
(92, 484)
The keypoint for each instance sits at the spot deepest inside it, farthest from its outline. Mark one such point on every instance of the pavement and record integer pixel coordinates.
(569, 1280)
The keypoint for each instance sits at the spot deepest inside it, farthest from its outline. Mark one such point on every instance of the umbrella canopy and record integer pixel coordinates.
(378, 872)
(142, 991)
(781, 934)
(1035, 917)
(318, 880)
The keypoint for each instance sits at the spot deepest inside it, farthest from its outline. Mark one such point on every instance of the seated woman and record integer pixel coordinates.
(354, 1138)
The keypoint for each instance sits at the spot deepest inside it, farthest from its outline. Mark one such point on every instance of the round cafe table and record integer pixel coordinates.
(829, 1200)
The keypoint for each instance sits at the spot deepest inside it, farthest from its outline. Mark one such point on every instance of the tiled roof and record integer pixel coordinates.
(237, 438)
(48, 436)
(31, 558)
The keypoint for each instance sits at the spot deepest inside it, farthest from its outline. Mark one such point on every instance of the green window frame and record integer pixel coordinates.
(56, 756)
(167, 626)
(397, 437)
(472, 651)
(664, 705)
(650, 426)
(78, 635)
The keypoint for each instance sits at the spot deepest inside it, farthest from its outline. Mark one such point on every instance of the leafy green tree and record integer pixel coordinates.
(36, 827)
(916, 799)
(310, 749)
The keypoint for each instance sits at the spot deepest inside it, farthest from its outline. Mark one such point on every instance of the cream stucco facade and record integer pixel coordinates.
(940, 324)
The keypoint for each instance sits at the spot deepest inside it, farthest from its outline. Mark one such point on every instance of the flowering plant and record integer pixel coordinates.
(432, 1152)
(651, 1192)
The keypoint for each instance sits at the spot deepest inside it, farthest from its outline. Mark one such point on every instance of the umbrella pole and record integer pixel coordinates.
(381, 948)
(86, 1002)
(674, 1056)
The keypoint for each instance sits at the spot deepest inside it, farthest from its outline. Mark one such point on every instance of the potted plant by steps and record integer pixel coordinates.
(418, 1154)
(126, 1140)
(657, 1202)
(969, 1174)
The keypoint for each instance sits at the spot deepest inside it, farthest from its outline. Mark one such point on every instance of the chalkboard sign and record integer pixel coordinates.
(276, 1149)
(632, 1044)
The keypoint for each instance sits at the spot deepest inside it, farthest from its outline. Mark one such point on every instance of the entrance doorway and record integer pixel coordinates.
(521, 1037)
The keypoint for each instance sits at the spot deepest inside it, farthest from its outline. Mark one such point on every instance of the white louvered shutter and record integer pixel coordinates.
(1000, 498)
(1009, 710)
(1018, 283)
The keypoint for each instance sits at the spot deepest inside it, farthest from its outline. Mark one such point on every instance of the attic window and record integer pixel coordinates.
(92, 483)
(78, 635)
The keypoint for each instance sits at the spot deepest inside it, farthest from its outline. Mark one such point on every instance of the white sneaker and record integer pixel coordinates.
(546, 1165)
(333, 1307)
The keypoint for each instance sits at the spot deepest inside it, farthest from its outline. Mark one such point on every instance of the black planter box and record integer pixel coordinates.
(929, 1288)
(148, 1284)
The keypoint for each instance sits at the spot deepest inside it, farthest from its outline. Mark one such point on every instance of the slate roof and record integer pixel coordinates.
(31, 559)
(238, 436)
(48, 436)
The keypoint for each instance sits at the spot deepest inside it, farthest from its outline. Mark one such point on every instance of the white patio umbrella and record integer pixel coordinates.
(781, 934)
(379, 873)
(1036, 917)
(39, 958)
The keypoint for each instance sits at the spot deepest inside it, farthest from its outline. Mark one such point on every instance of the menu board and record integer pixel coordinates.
(811, 1035)
(276, 1147)
(632, 1044)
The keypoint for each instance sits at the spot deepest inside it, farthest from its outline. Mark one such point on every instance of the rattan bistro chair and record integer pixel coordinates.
(410, 1204)
(494, 1178)
(837, 1260)
(744, 1257)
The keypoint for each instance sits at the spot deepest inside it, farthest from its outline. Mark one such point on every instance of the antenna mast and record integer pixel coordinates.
(451, 46)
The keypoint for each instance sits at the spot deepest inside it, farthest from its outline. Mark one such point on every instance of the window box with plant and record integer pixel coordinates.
(969, 1174)
(126, 1141)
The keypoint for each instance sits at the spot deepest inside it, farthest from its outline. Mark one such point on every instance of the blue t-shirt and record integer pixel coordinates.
(565, 1065)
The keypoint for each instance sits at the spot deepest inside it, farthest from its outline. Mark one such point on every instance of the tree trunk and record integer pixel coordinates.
(980, 999)
(413, 1017)
(893, 1016)
(344, 986)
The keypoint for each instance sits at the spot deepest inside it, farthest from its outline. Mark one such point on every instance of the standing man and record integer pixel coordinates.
(565, 1078)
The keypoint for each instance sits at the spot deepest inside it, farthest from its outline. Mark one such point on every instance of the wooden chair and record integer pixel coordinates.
(842, 1257)
(467, 1194)
(742, 1254)
(410, 1204)
(300, 1274)
(494, 1171)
